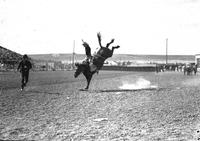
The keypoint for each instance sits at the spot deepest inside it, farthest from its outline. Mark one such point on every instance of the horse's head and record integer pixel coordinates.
(79, 69)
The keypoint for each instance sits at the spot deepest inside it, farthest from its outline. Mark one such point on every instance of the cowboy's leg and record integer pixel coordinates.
(86, 61)
(22, 80)
(26, 77)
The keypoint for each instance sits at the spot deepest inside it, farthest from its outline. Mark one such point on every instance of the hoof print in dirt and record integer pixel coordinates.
(83, 89)
(198, 135)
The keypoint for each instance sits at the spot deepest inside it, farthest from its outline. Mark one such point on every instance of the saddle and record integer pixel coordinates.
(94, 63)
(93, 67)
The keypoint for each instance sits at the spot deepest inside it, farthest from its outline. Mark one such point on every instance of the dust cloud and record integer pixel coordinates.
(141, 83)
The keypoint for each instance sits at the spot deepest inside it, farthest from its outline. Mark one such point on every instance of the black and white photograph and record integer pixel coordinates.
(99, 70)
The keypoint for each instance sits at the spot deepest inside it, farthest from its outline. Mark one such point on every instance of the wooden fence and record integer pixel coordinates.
(130, 68)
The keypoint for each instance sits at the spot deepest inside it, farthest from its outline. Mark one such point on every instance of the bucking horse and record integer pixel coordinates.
(92, 64)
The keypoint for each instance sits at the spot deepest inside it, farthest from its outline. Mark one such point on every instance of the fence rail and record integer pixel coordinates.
(130, 68)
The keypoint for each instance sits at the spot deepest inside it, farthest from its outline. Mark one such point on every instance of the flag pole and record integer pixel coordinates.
(166, 51)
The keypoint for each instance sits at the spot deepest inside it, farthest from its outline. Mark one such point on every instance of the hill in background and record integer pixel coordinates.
(117, 57)
(9, 57)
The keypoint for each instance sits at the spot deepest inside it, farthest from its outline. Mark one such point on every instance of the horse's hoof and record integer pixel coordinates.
(117, 47)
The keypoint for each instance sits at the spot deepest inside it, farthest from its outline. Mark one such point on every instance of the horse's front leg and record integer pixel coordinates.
(88, 77)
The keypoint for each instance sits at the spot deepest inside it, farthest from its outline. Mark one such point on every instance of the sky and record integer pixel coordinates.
(138, 26)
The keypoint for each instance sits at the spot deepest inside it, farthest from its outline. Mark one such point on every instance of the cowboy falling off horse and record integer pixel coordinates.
(92, 64)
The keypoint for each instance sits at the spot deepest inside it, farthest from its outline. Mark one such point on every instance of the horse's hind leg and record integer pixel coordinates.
(108, 44)
(115, 47)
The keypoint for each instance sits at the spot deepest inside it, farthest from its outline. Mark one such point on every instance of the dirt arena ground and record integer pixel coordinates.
(53, 108)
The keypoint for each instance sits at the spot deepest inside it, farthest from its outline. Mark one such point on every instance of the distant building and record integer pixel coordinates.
(40, 66)
(50, 66)
(197, 61)
(110, 63)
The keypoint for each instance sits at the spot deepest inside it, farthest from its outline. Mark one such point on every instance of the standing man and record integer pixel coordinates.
(24, 67)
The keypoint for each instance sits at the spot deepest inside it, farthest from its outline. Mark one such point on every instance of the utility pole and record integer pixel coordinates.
(166, 51)
(73, 55)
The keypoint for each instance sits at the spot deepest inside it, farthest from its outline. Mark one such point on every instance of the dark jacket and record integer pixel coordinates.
(24, 66)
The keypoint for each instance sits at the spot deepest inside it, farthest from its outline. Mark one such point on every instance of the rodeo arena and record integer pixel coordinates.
(99, 97)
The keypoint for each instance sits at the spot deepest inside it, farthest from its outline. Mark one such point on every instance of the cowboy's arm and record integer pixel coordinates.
(85, 44)
(19, 66)
(87, 49)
